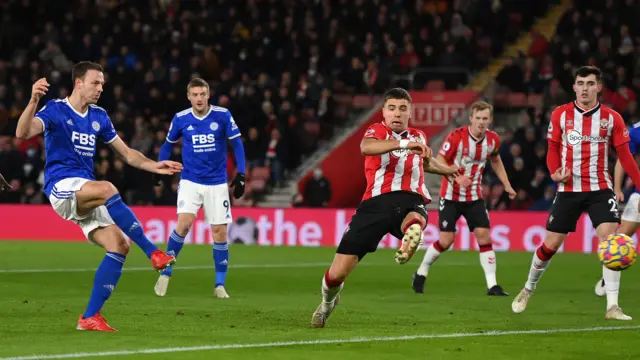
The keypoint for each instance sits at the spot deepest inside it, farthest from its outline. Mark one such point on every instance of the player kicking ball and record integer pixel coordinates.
(71, 128)
(394, 201)
(204, 130)
(631, 214)
(468, 147)
(579, 136)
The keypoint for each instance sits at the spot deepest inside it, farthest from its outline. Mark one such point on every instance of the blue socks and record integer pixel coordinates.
(128, 223)
(105, 281)
(221, 261)
(173, 248)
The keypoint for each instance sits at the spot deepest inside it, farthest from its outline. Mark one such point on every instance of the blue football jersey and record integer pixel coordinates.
(70, 140)
(634, 135)
(204, 143)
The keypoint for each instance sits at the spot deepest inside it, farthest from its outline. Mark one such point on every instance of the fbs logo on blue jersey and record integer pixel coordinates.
(203, 143)
(84, 144)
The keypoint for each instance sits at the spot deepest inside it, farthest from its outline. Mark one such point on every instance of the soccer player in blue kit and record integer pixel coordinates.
(71, 128)
(631, 214)
(204, 130)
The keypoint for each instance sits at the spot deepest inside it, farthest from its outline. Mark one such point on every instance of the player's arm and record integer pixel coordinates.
(373, 146)
(618, 178)
(28, 128)
(498, 168)
(558, 173)
(138, 160)
(621, 139)
(172, 137)
(232, 132)
(438, 165)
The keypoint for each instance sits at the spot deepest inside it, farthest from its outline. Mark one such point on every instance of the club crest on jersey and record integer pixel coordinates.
(604, 124)
(95, 125)
(214, 126)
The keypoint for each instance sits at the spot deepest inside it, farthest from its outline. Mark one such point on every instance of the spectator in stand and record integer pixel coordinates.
(544, 203)
(317, 192)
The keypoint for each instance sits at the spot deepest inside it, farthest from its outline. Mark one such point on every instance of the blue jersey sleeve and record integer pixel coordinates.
(174, 131)
(634, 134)
(231, 128)
(107, 133)
(46, 115)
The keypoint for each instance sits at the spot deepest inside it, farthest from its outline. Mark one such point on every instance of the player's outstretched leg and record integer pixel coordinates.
(220, 260)
(488, 262)
(106, 277)
(97, 193)
(541, 259)
(611, 278)
(412, 227)
(174, 246)
(629, 226)
(332, 284)
(431, 255)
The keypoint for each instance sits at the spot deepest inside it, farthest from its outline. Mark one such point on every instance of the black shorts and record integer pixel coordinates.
(376, 217)
(475, 212)
(567, 207)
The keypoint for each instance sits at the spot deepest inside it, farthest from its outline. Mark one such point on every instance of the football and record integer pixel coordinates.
(617, 252)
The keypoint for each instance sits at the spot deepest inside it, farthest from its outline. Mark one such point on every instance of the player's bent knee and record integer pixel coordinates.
(102, 190)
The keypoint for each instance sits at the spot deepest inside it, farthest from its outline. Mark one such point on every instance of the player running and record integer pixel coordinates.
(631, 214)
(71, 128)
(204, 130)
(468, 147)
(579, 136)
(394, 201)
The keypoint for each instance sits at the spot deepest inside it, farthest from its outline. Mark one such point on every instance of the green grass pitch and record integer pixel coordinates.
(274, 291)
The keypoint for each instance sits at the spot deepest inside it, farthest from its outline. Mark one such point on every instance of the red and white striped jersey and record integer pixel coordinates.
(462, 149)
(586, 136)
(399, 170)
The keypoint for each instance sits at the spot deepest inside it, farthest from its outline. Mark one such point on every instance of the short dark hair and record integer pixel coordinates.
(197, 82)
(585, 71)
(397, 93)
(80, 69)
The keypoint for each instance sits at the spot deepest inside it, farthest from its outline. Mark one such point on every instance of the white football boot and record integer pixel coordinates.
(220, 292)
(411, 241)
(519, 304)
(320, 316)
(161, 285)
(615, 313)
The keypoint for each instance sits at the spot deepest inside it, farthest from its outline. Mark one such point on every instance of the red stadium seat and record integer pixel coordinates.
(260, 173)
(258, 185)
(517, 99)
(435, 85)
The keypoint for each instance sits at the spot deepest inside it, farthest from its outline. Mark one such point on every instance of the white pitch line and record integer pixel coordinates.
(318, 342)
(206, 267)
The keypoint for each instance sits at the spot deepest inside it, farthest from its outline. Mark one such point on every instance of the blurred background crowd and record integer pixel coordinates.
(289, 70)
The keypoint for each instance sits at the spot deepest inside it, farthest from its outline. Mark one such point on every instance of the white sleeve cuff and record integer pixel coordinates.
(172, 142)
(234, 136)
(112, 140)
(42, 121)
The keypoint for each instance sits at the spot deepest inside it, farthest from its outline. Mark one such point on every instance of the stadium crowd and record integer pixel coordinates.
(278, 65)
(599, 33)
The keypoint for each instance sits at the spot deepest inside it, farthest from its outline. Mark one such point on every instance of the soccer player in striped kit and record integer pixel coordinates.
(396, 157)
(468, 147)
(579, 136)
